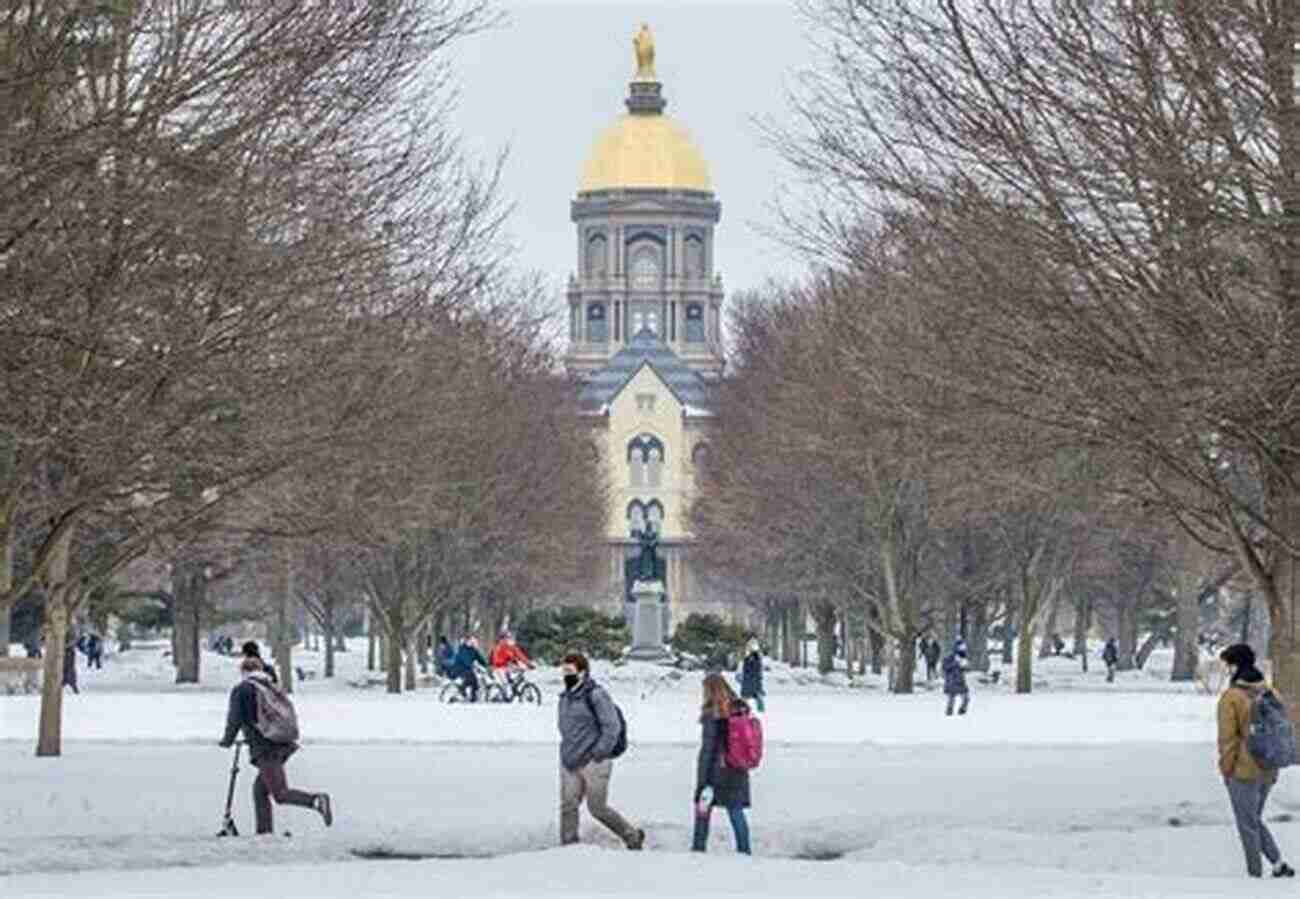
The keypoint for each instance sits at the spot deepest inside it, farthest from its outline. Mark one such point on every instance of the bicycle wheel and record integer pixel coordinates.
(494, 693)
(531, 693)
(451, 692)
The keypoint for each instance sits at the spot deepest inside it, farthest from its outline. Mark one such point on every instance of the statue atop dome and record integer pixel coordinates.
(644, 45)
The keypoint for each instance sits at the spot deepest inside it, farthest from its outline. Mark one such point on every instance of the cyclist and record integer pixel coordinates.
(508, 658)
(462, 666)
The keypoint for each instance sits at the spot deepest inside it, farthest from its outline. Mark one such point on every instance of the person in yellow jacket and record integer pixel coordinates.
(1248, 783)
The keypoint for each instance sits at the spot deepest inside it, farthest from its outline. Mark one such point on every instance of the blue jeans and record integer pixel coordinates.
(700, 842)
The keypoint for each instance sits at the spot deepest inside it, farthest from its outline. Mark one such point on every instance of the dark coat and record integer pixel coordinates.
(242, 715)
(70, 665)
(932, 652)
(1110, 655)
(463, 662)
(730, 785)
(954, 675)
(751, 676)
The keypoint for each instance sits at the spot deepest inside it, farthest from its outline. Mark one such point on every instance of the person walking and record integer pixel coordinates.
(70, 664)
(751, 676)
(1247, 781)
(267, 755)
(443, 656)
(591, 731)
(716, 784)
(94, 652)
(1110, 655)
(954, 678)
(932, 653)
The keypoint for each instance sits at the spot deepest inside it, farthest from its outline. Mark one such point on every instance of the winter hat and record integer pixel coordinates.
(959, 648)
(251, 649)
(1242, 657)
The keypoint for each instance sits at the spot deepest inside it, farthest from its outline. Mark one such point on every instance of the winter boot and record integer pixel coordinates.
(1282, 869)
(636, 841)
(322, 804)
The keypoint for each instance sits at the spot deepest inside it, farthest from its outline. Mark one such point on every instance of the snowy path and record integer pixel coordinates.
(1080, 812)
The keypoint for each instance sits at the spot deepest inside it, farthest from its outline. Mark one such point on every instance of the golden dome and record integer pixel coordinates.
(650, 151)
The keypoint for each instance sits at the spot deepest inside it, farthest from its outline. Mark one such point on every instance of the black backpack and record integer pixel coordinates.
(620, 745)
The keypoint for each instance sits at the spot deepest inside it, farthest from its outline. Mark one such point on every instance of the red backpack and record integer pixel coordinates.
(744, 742)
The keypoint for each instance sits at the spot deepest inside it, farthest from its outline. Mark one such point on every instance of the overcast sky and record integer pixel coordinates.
(555, 74)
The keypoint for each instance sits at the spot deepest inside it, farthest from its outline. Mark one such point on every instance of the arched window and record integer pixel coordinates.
(694, 252)
(654, 467)
(645, 267)
(636, 517)
(597, 327)
(654, 514)
(645, 460)
(597, 256)
(694, 323)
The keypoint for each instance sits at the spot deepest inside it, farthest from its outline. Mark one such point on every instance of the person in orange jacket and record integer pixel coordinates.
(507, 653)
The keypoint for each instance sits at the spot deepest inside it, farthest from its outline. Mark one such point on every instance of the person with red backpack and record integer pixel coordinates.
(731, 745)
(270, 727)
(1255, 739)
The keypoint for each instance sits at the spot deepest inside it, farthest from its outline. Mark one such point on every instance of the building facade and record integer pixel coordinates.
(645, 318)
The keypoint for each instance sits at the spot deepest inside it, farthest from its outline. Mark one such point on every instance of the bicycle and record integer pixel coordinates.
(489, 690)
(517, 686)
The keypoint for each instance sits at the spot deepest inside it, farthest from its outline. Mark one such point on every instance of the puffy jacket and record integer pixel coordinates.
(954, 676)
(504, 654)
(242, 715)
(588, 725)
(1234, 725)
(465, 659)
(1110, 654)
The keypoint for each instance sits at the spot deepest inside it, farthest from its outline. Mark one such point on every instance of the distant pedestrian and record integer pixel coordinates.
(443, 655)
(932, 653)
(70, 664)
(1110, 655)
(250, 650)
(271, 741)
(1248, 782)
(94, 652)
(592, 735)
(717, 783)
(751, 676)
(954, 678)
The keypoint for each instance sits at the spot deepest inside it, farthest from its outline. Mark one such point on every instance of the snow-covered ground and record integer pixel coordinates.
(1083, 788)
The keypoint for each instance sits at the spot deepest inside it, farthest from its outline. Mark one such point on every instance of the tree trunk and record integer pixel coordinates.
(1144, 651)
(1128, 634)
(370, 648)
(824, 619)
(904, 674)
(188, 592)
(422, 648)
(1048, 633)
(1008, 636)
(7, 601)
(1082, 618)
(283, 640)
(329, 626)
(877, 641)
(49, 739)
(410, 666)
(977, 644)
(1025, 653)
(393, 657)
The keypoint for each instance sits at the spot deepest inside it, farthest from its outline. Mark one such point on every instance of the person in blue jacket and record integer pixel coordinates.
(751, 675)
(443, 655)
(954, 677)
(462, 666)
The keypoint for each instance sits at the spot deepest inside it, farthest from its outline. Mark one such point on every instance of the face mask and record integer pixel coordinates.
(571, 680)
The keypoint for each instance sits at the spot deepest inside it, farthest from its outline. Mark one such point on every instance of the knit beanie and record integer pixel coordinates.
(1241, 657)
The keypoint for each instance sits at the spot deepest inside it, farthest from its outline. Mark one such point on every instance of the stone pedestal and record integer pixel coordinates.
(648, 621)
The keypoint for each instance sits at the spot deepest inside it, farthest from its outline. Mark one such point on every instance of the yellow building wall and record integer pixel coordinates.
(627, 420)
